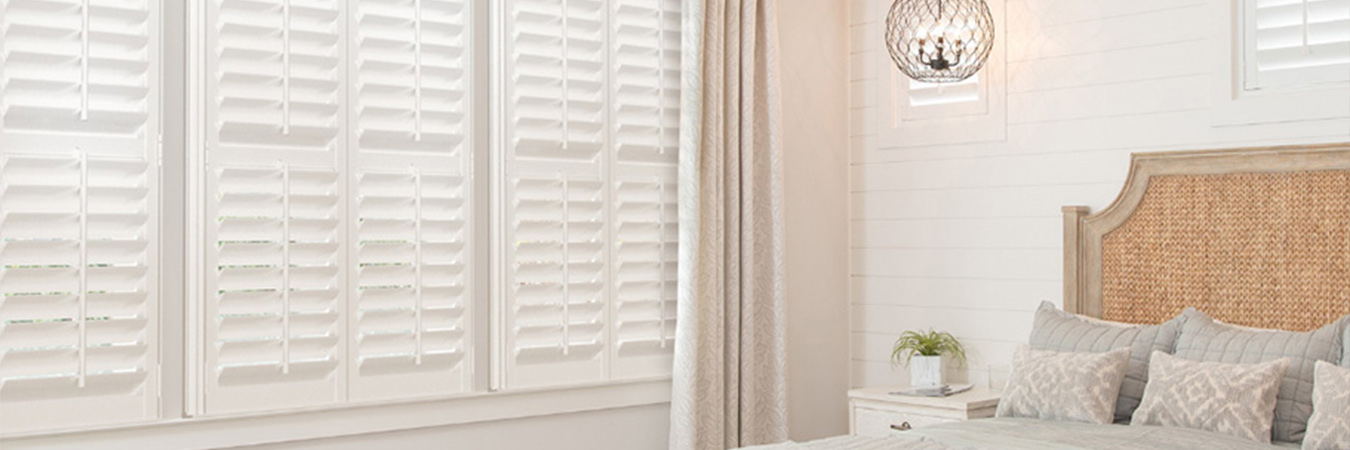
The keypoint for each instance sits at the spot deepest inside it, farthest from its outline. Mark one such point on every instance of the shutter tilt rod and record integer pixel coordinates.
(83, 319)
(567, 265)
(661, 82)
(286, 67)
(417, 260)
(84, 60)
(417, 70)
(285, 268)
(661, 257)
(566, 119)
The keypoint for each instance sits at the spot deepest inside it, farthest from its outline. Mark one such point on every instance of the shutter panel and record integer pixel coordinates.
(410, 278)
(276, 205)
(932, 94)
(79, 208)
(556, 229)
(1297, 42)
(645, 98)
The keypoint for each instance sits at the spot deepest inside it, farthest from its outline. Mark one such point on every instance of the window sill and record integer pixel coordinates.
(218, 432)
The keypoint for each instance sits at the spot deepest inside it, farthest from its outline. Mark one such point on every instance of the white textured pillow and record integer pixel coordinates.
(1233, 399)
(1065, 386)
(1329, 428)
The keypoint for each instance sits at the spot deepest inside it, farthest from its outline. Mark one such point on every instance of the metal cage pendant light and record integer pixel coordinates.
(939, 41)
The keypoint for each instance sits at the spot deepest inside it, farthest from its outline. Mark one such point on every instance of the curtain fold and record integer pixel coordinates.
(730, 387)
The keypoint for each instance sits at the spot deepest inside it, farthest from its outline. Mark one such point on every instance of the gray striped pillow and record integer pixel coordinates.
(1064, 332)
(1204, 339)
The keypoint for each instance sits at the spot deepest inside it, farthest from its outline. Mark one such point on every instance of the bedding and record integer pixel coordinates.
(1076, 387)
(1066, 332)
(1329, 428)
(1032, 434)
(1204, 339)
(1232, 399)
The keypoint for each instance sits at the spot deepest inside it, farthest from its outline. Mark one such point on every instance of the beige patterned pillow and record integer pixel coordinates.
(1329, 428)
(1233, 399)
(1065, 386)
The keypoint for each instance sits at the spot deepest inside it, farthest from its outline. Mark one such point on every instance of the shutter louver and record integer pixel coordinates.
(411, 122)
(1298, 42)
(79, 208)
(276, 229)
(645, 98)
(932, 94)
(556, 229)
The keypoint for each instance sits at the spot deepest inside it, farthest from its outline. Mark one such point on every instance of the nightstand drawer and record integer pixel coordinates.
(878, 422)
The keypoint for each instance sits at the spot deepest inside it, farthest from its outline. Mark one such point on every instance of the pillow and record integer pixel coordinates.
(1329, 428)
(1233, 399)
(1073, 387)
(1204, 339)
(1345, 347)
(1064, 332)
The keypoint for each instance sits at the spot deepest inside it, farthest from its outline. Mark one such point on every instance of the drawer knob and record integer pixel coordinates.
(903, 426)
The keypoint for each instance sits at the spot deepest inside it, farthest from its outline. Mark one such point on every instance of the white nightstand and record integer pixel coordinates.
(875, 412)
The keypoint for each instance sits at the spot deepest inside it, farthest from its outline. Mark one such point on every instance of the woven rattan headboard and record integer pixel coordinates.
(1257, 237)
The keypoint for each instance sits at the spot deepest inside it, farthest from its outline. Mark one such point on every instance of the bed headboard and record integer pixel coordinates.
(1256, 237)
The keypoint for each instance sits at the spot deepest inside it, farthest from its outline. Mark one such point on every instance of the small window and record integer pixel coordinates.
(1293, 43)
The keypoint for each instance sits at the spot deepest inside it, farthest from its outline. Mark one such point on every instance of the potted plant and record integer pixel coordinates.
(923, 352)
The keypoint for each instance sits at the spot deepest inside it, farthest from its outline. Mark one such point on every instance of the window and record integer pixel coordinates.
(1283, 61)
(338, 195)
(343, 223)
(345, 156)
(79, 214)
(592, 97)
(1290, 43)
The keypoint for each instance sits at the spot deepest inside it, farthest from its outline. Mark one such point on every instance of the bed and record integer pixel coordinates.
(1256, 237)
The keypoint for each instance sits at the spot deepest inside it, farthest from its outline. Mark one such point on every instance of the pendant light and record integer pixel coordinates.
(939, 41)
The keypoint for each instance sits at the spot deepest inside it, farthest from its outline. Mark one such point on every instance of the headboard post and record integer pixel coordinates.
(1073, 223)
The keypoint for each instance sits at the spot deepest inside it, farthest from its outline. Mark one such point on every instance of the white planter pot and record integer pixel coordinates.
(925, 371)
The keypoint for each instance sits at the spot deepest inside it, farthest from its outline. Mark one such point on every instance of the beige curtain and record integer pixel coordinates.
(729, 378)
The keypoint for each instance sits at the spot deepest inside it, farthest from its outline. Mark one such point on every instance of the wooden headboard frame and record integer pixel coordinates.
(1084, 233)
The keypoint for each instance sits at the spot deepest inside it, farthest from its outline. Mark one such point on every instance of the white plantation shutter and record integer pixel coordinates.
(933, 94)
(276, 208)
(644, 105)
(410, 97)
(79, 207)
(592, 122)
(556, 229)
(1297, 42)
(918, 100)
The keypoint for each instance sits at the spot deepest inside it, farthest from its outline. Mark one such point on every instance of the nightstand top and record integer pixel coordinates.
(979, 397)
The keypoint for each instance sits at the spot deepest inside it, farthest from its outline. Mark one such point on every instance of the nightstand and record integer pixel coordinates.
(875, 412)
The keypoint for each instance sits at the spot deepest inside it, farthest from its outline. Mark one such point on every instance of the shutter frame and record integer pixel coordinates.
(276, 251)
(79, 215)
(1295, 43)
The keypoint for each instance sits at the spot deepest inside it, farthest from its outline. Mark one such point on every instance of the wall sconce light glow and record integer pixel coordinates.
(939, 41)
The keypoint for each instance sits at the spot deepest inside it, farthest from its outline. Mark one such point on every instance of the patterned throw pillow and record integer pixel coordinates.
(1065, 332)
(1329, 428)
(1072, 387)
(1204, 339)
(1233, 399)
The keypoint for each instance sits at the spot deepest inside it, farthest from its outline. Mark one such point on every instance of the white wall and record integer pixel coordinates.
(966, 238)
(814, 50)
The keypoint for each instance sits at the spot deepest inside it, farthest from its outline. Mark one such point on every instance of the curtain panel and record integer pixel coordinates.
(730, 386)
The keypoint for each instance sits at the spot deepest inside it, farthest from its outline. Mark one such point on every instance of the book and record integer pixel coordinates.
(934, 391)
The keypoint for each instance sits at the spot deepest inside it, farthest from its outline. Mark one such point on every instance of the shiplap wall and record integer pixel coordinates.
(966, 238)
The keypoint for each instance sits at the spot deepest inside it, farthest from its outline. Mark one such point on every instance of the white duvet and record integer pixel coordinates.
(1030, 434)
